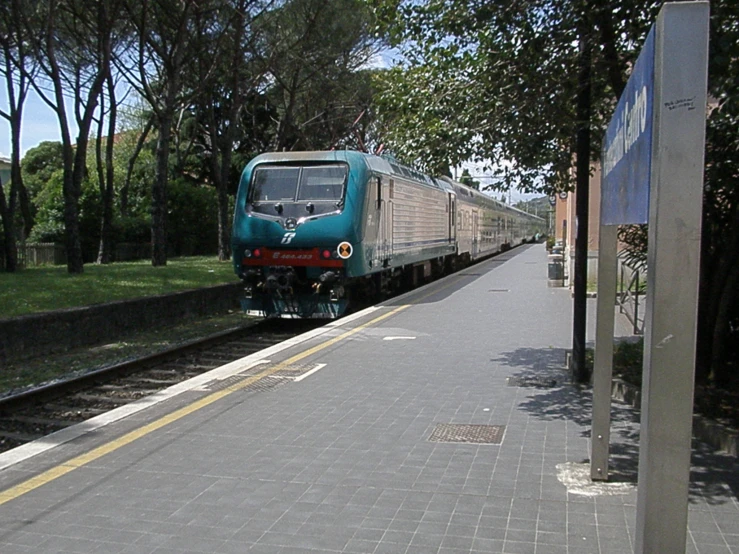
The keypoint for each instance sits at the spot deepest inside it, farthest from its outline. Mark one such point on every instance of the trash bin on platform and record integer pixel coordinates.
(556, 270)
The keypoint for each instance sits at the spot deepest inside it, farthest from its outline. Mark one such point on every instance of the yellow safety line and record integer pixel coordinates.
(100, 451)
(96, 453)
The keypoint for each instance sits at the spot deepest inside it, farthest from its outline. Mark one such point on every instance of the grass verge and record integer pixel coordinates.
(45, 288)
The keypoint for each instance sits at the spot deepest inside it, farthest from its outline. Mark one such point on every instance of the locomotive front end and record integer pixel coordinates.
(293, 234)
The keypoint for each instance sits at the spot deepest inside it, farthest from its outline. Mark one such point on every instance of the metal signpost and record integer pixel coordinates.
(653, 173)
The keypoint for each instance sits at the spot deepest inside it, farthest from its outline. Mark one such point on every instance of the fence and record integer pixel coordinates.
(631, 294)
(37, 253)
(49, 253)
(41, 253)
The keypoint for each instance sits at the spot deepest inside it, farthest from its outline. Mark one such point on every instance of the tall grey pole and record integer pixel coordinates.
(675, 207)
(603, 359)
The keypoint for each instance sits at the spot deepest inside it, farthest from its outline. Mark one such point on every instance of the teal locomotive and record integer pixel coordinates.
(312, 230)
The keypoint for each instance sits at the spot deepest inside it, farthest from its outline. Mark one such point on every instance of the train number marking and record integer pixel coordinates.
(287, 237)
(344, 250)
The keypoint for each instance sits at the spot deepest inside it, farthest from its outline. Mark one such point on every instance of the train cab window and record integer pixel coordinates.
(297, 190)
(274, 184)
(323, 183)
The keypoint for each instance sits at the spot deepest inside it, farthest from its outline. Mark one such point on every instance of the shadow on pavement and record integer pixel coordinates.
(714, 478)
(439, 290)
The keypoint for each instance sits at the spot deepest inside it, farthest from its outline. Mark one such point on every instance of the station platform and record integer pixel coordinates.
(442, 421)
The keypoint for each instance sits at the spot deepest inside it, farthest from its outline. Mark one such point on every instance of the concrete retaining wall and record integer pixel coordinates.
(51, 332)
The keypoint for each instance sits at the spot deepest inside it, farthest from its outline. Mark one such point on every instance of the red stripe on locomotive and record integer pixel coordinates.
(302, 258)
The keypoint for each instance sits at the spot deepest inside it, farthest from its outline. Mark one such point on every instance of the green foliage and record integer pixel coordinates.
(39, 289)
(39, 164)
(467, 179)
(419, 128)
(193, 221)
(628, 356)
(314, 52)
(497, 81)
(49, 206)
(133, 229)
(628, 360)
(634, 239)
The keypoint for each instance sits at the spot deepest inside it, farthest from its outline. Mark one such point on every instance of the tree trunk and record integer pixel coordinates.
(106, 181)
(720, 299)
(224, 227)
(8, 205)
(10, 250)
(706, 300)
(14, 116)
(579, 369)
(221, 160)
(720, 371)
(71, 192)
(159, 192)
(131, 163)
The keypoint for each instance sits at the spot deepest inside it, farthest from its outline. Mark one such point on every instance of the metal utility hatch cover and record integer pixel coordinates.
(472, 434)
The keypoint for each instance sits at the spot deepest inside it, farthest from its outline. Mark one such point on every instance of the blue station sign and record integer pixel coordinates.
(627, 149)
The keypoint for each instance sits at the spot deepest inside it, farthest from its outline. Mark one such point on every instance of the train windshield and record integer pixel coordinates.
(275, 184)
(324, 183)
(321, 186)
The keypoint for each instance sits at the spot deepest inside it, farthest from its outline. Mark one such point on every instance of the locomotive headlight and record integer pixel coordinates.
(256, 253)
(247, 253)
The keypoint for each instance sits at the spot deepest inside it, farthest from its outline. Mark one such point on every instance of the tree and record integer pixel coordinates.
(498, 82)
(170, 35)
(138, 124)
(313, 51)
(519, 84)
(718, 308)
(219, 108)
(105, 167)
(287, 78)
(467, 179)
(72, 45)
(17, 68)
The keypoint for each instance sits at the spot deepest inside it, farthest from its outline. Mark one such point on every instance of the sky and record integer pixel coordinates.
(39, 124)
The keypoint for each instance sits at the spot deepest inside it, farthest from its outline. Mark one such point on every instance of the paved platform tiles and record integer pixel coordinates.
(356, 457)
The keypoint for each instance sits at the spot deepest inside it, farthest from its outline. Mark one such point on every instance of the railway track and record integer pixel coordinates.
(38, 412)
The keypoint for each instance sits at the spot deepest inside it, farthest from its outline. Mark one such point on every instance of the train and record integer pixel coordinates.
(313, 231)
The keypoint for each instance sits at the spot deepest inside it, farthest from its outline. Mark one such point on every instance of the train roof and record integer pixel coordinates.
(465, 190)
(387, 166)
(376, 163)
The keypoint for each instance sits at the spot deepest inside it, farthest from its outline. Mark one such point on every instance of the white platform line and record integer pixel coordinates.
(311, 372)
